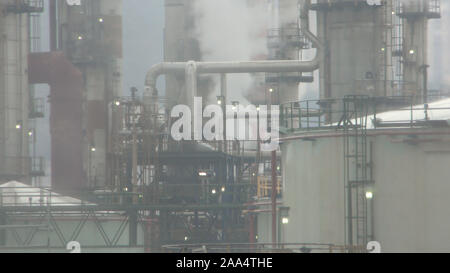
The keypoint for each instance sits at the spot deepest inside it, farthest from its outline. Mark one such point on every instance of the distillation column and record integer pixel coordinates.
(415, 15)
(14, 95)
(354, 34)
(90, 35)
(179, 46)
(289, 33)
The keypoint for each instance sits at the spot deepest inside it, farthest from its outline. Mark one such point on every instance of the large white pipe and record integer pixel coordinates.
(236, 66)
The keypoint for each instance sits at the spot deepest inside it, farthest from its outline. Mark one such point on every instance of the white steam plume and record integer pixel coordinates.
(232, 30)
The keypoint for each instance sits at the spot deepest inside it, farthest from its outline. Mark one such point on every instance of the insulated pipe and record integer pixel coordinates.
(191, 82)
(273, 196)
(239, 67)
(66, 100)
(230, 68)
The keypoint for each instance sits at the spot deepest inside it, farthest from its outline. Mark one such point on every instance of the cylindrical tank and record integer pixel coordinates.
(14, 95)
(408, 211)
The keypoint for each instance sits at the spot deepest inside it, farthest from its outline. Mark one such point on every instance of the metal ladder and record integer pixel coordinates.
(356, 168)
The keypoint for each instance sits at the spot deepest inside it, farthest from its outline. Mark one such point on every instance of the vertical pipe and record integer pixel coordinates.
(252, 229)
(223, 93)
(134, 152)
(53, 26)
(223, 86)
(274, 198)
(2, 231)
(133, 226)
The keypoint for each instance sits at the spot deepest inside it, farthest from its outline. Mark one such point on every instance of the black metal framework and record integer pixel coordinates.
(210, 180)
(36, 210)
(289, 37)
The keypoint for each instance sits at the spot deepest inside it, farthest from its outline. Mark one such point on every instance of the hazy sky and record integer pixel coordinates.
(143, 23)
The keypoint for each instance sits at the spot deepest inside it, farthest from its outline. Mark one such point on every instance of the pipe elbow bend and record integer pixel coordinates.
(153, 74)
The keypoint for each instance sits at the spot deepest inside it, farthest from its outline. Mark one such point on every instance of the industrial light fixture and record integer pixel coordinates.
(278, 168)
(223, 189)
(284, 214)
(235, 105)
(220, 100)
(125, 189)
(214, 191)
(411, 51)
(30, 132)
(206, 173)
(93, 149)
(383, 49)
(258, 108)
(186, 238)
(80, 37)
(100, 20)
(117, 102)
(19, 125)
(271, 90)
(369, 195)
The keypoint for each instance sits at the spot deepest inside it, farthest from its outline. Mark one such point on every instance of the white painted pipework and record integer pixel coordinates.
(192, 68)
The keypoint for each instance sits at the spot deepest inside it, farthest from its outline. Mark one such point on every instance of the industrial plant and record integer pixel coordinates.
(318, 126)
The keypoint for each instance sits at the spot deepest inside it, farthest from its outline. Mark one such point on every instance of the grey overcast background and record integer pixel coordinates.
(143, 23)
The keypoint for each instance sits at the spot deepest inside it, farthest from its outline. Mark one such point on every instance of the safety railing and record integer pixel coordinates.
(37, 108)
(395, 111)
(429, 8)
(263, 248)
(265, 187)
(201, 194)
(37, 166)
(287, 37)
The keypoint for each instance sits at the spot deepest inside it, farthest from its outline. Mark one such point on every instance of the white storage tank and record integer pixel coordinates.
(407, 197)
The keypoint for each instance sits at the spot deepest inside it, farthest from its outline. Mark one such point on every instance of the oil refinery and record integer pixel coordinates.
(97, 149)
